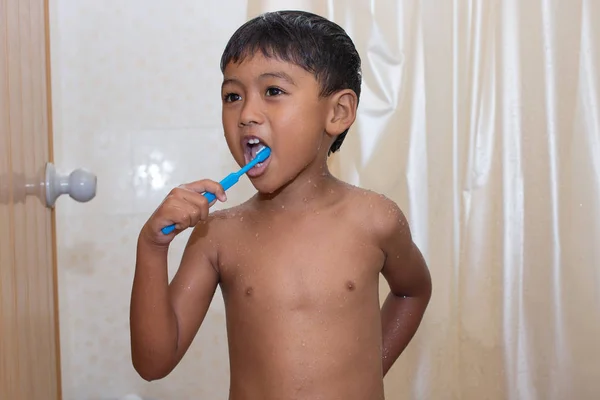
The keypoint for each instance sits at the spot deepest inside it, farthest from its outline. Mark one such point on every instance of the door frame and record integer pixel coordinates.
(49, 110)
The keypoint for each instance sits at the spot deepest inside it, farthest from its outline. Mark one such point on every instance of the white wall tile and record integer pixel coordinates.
(164, 159)
(136, 101)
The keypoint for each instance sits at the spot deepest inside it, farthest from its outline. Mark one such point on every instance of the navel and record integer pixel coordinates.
(350, 285)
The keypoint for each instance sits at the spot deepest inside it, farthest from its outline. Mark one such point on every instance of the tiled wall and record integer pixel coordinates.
(136, 100)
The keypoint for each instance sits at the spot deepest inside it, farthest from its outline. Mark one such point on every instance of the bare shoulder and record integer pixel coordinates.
(219, 222)
(379, 213)
(207, 236)
(404, 268)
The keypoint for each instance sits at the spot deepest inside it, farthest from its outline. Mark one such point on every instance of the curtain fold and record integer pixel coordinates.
(482, 120)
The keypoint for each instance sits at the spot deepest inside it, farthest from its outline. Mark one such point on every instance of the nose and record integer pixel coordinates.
(251, 113)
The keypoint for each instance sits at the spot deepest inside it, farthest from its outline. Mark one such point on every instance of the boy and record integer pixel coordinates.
(298, 263)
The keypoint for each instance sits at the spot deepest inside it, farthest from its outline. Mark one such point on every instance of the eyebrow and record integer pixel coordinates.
(227, 81)
(277, 74)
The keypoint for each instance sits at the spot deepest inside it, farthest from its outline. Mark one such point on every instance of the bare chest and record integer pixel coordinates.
(309, 263)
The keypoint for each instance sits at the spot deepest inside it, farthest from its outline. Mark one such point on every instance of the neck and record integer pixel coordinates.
(307, 188)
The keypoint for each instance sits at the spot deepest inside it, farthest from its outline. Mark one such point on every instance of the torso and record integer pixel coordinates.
(302, 302)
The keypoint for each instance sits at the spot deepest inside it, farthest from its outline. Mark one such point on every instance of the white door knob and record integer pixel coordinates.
(80, 185)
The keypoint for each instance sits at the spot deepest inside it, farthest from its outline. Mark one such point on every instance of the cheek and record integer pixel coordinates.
(302, 122)
(230, 130)
(233, 143)
(301, 142)
(229, 119)
(302, 116)
(297, 140)
(230, 143)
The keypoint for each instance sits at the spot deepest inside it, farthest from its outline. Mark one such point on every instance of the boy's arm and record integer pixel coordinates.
(410, 287)
(165, 318)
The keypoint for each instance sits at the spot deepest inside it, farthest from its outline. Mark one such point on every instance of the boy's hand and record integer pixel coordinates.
(184, 206)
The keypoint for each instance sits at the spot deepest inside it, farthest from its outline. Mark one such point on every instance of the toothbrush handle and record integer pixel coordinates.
(168, 229)
(227, 182)
(209, 196)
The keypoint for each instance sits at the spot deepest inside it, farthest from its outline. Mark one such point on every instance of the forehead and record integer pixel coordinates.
(258, 66)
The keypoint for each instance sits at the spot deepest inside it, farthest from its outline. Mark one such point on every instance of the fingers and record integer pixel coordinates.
(186, 205)
(207, 186)
(196, 207)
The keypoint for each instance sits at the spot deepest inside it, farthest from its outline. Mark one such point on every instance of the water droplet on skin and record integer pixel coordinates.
(241, 219)
(370, 205)
(305, 200)
(282, 206)
(257, 235)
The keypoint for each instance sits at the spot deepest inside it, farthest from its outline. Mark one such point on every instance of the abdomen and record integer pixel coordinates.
(328, 348)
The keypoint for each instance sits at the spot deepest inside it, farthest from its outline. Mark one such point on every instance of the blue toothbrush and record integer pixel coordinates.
(230, 180)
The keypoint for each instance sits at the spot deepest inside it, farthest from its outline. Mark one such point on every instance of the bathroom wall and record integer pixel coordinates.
(136, 100)
(455, 95)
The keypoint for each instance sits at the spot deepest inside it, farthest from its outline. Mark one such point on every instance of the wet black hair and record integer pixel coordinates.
(308, 40)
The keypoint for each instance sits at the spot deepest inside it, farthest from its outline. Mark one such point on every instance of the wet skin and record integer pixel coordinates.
(298, 264)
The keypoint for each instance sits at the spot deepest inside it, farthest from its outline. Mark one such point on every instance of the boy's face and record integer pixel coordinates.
(268, 102)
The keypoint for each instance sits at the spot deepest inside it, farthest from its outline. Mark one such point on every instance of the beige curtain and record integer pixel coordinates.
(481, 119)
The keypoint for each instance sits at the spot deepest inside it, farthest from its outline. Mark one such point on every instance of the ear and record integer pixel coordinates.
(342, 112)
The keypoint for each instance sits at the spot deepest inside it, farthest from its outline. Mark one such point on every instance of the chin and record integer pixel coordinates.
(271, 186)
(264, 187)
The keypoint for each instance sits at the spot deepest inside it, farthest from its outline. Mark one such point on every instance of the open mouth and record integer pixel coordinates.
(252, 146)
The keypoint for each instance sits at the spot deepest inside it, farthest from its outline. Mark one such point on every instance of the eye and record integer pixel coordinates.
(231, 97)
(274, 91)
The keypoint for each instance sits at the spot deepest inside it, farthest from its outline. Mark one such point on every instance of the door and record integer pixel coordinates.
(29, 348)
